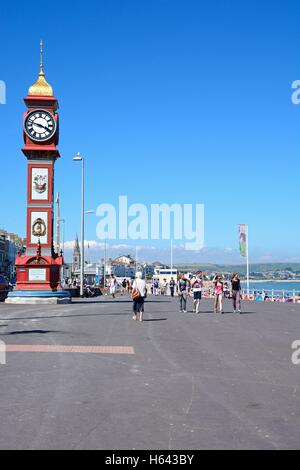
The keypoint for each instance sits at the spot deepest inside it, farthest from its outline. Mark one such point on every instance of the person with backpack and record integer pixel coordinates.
(138, 294)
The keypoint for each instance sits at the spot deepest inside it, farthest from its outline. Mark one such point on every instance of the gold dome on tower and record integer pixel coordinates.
(41, 87)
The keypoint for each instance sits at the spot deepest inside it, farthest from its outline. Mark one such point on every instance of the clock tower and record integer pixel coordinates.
(38, 268)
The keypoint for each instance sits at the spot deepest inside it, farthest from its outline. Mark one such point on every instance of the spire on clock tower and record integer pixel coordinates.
(41, 87)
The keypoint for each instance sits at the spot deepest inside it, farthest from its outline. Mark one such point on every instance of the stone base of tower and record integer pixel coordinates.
(38, 281)
(40, 297)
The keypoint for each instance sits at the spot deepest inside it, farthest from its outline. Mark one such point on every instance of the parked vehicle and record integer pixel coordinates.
(4, 288)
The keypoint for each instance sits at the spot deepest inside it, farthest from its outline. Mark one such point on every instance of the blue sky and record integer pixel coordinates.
(175, 101)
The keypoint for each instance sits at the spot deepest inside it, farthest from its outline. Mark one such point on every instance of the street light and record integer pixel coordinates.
(63, 248)
(89, 212)
(63, 238)
(79, 158)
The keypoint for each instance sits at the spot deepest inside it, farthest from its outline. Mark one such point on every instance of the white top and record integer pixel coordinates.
(198, 283)
(140, 284)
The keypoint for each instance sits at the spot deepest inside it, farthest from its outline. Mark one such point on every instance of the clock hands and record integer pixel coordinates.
(40, 125)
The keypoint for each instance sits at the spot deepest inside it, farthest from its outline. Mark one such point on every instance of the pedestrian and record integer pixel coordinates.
(156, 286)
(172, 286)
(138, 294)
(112, 286)
(197, 285)
(124, 284)
(182, 287)
(218, 291)
(164, 287)
(236, 293)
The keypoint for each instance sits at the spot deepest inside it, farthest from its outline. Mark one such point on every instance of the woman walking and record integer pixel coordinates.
(218, 290)
(197, 284)
(236, 293)
(138, 294)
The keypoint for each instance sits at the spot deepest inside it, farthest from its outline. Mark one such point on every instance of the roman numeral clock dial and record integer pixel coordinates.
(40, 125)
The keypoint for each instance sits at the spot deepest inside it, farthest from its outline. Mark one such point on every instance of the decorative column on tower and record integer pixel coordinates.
(38, 269)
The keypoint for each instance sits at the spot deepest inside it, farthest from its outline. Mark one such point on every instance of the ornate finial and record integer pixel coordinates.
(41, 56)
(41, 87)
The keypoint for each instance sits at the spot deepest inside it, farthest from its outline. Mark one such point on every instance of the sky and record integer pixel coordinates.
(169, 101)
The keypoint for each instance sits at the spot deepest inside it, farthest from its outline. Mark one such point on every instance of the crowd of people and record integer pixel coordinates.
(183, 286)
(194, 288)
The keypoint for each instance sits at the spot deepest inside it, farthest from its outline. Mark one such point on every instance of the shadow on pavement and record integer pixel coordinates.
(155, 319)
(24, 332)
(48, 317)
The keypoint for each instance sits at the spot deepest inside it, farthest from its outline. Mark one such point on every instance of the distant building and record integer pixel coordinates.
(165, 274)
(3, 254)
(10, 245)
(76, 257)
(148, 270)
(126, 260)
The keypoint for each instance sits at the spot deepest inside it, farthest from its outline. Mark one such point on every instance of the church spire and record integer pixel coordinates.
(76, 246)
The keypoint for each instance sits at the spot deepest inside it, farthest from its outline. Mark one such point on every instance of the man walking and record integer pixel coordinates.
(172, 286)
(112, 285)
(182, 287)
(236, 293)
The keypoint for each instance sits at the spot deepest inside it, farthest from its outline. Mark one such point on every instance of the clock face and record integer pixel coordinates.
(40, 125)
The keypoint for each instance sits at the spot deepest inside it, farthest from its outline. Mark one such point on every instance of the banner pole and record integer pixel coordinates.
(247, 245)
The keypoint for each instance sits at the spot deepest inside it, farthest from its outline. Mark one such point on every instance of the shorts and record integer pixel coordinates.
(138, 305)
(198, 295)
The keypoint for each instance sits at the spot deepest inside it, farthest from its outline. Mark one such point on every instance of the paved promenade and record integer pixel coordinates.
(86, 376)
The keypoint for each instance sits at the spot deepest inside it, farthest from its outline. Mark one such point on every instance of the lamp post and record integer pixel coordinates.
(104, 268)
(63, 237)
(89, 212)
(63, 247)
(79, 158)
(171, 256)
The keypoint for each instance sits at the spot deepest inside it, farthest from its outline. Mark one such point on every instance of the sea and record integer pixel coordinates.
(276, 286)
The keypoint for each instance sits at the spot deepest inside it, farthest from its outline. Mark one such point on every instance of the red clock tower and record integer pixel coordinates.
(38, 269)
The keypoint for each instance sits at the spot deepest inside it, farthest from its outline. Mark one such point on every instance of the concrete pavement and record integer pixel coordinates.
(193, 381)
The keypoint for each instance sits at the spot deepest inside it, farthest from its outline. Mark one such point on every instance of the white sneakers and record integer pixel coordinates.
(134, 317)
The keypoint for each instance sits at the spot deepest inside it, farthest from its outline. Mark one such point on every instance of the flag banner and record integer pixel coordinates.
(243, 232)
